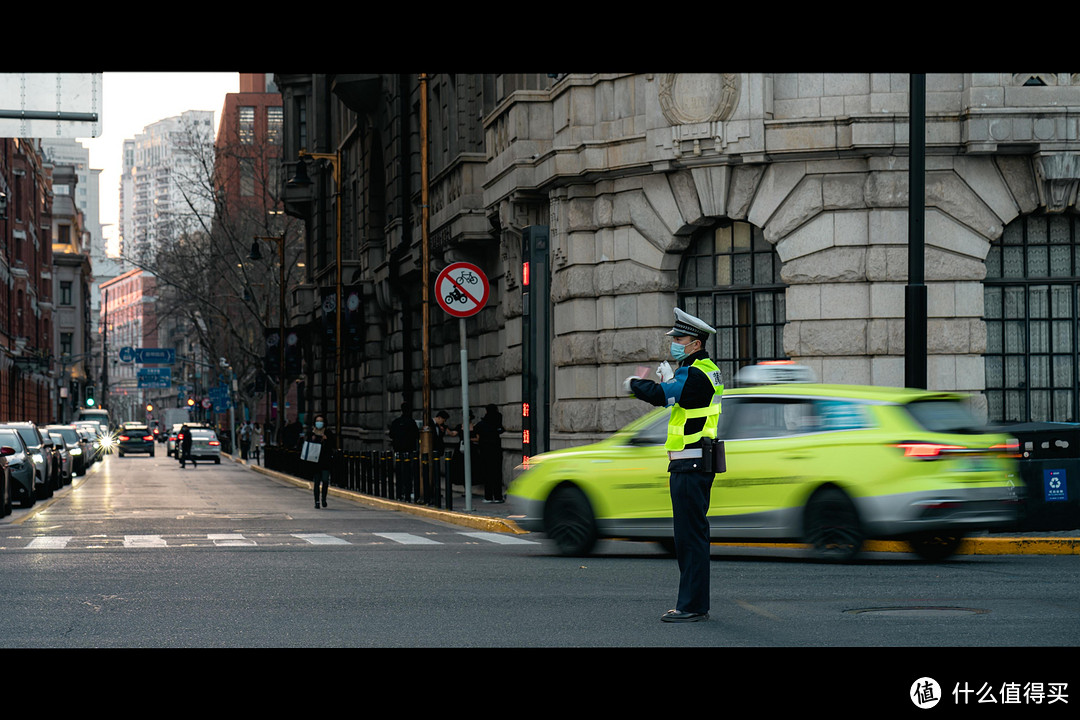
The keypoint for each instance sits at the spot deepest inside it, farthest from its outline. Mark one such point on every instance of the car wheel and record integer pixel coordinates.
(217, 461)
(935, 546)
(832, 526)
(569, 521)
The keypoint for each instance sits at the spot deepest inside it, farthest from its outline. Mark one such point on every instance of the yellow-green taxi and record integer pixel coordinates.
(828, 465)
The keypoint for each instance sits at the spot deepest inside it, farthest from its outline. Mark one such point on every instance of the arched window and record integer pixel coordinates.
(1030, 292)
(730, 278)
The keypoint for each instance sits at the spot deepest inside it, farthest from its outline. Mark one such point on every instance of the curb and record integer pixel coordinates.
(478, 522)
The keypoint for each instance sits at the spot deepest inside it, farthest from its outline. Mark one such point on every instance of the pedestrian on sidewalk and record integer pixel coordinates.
(489, 448)
(256, 442)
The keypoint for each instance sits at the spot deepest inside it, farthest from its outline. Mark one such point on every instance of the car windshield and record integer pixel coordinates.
(11, 439)
(30, 437)
(68, 434)
(945, 416)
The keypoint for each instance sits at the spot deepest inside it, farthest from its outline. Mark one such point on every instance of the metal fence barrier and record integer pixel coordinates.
(405, 476)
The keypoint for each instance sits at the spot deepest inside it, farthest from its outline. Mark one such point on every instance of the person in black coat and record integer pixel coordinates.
(184, 451)
(489, 447)
(405, 439)
(320, 435)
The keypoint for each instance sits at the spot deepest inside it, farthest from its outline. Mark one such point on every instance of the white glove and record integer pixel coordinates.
(626, 384)
(665, 372)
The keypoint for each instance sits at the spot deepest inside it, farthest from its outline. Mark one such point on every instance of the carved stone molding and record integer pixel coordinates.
(690, 98)
(697, 105)
(1059, 177)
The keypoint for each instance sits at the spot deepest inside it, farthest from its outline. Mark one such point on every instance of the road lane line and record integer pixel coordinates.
(51, 542)
(407, 539)
(229, 539)
(144, 541)
(321, 539)
(500, 538)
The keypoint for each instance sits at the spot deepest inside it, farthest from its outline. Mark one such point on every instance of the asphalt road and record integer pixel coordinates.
(141, 554)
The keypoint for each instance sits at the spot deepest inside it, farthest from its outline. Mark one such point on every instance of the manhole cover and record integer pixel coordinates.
(935, 610)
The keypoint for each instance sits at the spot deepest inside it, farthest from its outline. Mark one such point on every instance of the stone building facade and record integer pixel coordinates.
(773, 205)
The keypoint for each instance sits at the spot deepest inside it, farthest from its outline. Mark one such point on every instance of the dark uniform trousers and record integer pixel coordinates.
(690, 506)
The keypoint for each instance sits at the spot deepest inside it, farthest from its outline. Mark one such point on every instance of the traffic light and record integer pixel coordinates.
(89, 396)
(535, 340)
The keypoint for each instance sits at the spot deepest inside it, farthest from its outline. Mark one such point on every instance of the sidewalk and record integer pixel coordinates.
(495, 517)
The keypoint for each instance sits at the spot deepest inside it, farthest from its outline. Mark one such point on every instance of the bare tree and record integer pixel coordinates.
(207, 280)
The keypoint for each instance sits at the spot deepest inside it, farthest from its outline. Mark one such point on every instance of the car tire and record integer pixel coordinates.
(569, 521)
(831, 526)
(217, 461)
(935, 547)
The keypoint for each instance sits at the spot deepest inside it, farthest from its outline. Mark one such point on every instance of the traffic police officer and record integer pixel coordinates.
(693, 392)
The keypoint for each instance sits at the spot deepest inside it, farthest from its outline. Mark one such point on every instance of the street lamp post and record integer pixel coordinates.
(255, 255)
(334, 159)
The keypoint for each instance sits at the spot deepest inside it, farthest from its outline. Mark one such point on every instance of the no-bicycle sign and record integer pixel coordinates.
(461, 289)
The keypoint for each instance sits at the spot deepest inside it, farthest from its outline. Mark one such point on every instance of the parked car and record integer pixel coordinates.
(6, 480)
(831, 465)
(205, 445)
(76, 445)
(22, 467)
(92, 431)
(66, 463)
(42, 456)
(134, 438)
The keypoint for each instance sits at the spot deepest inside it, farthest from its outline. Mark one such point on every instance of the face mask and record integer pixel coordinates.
(319, 424)
(678, 351)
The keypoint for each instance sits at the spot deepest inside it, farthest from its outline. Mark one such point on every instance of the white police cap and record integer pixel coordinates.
(687, 324)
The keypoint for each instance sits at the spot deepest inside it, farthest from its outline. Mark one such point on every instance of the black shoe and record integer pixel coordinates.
(680, 616)
(324, 503)
(316, 504)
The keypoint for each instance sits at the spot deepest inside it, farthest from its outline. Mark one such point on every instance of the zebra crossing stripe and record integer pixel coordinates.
(144, 541)
(51, 542)
(320, 539)
(229, 539)
(499, 538)
(407, 539)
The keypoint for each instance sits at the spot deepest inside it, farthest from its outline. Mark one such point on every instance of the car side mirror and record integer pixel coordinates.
(6, 450)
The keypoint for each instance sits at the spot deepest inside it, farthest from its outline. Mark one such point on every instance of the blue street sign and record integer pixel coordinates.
(155, 382)
(127, 354)
(155, 355)
(155, 372)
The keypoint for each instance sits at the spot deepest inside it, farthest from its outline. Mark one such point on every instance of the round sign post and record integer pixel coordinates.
(462, 291)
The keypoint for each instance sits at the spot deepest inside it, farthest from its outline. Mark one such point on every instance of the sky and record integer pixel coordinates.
(130, 102)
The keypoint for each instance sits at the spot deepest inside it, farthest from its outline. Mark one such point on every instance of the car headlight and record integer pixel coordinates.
(38, 459)
(76, 451)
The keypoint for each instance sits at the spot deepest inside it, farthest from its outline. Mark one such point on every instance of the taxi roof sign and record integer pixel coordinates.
(774, 372)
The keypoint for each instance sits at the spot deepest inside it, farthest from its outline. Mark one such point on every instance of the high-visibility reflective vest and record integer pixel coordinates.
(677, 437)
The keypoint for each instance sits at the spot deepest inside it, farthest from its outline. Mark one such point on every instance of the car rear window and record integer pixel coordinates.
(945, 416)
(203, 434)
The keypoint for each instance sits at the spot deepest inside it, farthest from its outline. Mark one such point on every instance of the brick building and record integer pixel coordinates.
(26, 282)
